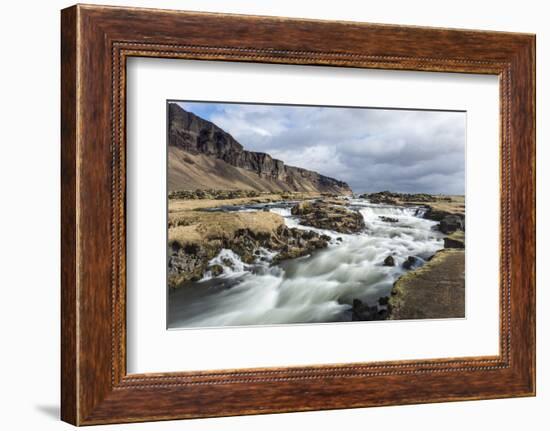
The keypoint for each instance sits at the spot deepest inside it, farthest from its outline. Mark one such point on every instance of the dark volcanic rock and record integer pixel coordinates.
(190, 262)
(435, 215)
(383, 300)
(298, 243)
(289, 242)
(451, 243)
(196, 135)
(451, 223)
(454, 240)
(216, 270)
(392, 198)
(385, 197)
(326, 215)
(389, 261)
(388, 219)
(448, 217)
(411, 262)
(361, 311)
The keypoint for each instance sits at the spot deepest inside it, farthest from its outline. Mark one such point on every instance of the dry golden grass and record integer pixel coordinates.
(187, 224)
(199, 171)
(178, 205)
(200, 226)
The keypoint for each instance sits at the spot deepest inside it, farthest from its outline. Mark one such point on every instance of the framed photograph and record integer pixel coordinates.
(263, 214)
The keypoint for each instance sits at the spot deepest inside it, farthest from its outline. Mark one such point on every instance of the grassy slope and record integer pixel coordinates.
(199, 227)
(197, 171)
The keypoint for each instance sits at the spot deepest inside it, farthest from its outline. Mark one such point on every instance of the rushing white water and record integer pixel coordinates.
(316, 288)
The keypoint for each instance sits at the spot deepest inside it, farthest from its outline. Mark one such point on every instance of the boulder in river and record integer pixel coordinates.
(289, 242)
(411, 262)
(327, 215)
(389, 261)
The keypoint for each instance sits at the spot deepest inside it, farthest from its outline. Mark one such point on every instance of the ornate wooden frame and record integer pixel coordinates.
(95, 43)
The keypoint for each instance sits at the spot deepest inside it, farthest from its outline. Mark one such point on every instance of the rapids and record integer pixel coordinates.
(312, 289)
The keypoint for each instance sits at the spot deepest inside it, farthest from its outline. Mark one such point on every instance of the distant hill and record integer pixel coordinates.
(201, 155)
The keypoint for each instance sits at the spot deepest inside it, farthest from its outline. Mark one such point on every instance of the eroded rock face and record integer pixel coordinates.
(299, 243)
(435, 215)
(196, 135)
(326, 215)
(188, 263)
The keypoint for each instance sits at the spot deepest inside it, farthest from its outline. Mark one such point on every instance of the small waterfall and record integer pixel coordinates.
(230, 262)
(284, 212)
(421, 212)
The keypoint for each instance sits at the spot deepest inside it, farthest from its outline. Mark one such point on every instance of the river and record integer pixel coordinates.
(318, 288)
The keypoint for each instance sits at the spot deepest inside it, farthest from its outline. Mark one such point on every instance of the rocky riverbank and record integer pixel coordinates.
(436, 288)
(196, 235)
(222, 233)
(433, 291)
(448, 210)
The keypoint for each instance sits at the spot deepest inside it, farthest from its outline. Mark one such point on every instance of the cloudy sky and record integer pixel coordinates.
(370, 149)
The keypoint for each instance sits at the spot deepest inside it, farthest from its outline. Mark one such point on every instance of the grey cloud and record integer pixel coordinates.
(371, 149)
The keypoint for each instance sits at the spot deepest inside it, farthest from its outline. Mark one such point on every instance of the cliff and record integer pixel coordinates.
(202, 155)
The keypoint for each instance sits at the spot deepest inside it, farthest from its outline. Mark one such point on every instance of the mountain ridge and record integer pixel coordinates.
(192, 138)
